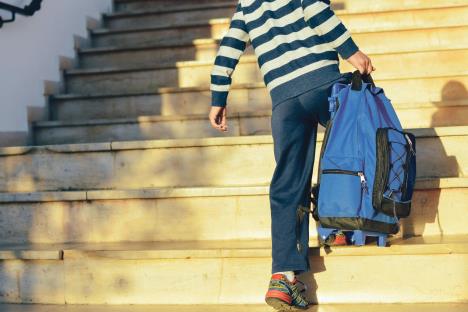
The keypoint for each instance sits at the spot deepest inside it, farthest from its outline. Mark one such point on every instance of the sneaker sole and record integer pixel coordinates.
(281, 305)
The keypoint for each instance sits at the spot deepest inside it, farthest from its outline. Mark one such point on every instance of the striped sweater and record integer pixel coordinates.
(296, 43)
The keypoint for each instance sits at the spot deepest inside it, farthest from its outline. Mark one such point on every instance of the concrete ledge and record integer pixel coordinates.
(101, 273)
(35, 197)
(185, 192)
(338, 10)
(214, 141)
(181, 43)
(252, 59)
(431, 245)
(191, 43)
(144, 119)
(193, 117)
(176, 9)
(409, 246)
(222, 21)
(29, 254)
(414, 307)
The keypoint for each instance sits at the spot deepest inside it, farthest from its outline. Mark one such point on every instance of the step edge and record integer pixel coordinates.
(180, 8)
(195, 42)
(195, 142)
(107, 31)
(63, 253)
(143, 119)
(193, 117)
(186, 192)
(204, 88)
(206, 6)
(245, 59)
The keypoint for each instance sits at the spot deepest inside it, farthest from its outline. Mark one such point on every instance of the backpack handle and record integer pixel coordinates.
(358, 78)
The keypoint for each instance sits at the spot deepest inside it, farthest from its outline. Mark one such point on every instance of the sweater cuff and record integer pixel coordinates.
(219, 98)
(347, 48)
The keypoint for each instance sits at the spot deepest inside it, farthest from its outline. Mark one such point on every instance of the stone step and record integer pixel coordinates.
(197, 73)
(242, 98)
(130, 6)
(417, 115)
(242, 213)
(205, 49)
(355, 21)
(223, 161)
(169, 15)
(394, 34)
(413, 270)
(348, 5)
(410, 307)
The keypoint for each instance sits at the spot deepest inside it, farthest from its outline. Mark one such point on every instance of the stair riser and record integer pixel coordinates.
(374, 21)
(147, 57)
(101, 280)
(440, 17)
(149, 130)
(413, 65)
(434, 212)
(179, 103)
(403, 40)
(242, 164)
(161, 19)
(199, 128)
(160, 4)
(147, 80)
(349, 5)
(227, 277)
(421, 40)
(389, 65)
(166, 36)
(40, 281)
(240, 100)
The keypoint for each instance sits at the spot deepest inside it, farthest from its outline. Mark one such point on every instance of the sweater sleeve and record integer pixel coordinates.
(231, 48)
(325, 23)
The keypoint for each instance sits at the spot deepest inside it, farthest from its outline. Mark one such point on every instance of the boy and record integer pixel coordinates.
(297, 43)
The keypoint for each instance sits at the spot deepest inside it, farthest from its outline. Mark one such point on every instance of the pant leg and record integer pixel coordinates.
(294, 128)
(294, 136)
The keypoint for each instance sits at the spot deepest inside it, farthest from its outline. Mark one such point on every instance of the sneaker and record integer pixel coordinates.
(284, 295)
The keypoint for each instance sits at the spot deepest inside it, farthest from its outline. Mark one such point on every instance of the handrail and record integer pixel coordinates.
(27, 10)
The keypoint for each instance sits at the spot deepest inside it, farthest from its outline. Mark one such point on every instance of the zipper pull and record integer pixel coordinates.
(332, 104)
(363, 181)
(410, 144)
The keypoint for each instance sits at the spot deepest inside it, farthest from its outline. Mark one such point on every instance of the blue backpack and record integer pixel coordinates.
(367, 168)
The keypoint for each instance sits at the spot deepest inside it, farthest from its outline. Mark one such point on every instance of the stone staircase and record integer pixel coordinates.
(128, 197)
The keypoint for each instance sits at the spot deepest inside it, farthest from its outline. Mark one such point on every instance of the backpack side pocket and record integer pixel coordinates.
(395, 172)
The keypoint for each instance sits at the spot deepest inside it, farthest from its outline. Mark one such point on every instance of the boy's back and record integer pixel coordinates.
(296, 43)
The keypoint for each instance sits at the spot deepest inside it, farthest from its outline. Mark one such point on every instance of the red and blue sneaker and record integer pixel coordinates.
(284, 295)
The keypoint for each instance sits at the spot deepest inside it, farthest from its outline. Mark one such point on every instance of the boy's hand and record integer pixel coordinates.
(217, 118)
(361, 62)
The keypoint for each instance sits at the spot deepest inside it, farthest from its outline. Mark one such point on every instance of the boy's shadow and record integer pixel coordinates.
(317, 265)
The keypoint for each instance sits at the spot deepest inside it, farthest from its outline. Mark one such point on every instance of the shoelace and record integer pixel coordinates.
(298, 295)
(304, 286)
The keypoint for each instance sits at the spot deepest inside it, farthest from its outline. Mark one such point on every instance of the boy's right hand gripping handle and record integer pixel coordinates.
(358, 78)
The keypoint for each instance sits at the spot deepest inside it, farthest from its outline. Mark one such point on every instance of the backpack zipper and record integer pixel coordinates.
(359, 174)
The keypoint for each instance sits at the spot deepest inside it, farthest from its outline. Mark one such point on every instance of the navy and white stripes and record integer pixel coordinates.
(295, 41)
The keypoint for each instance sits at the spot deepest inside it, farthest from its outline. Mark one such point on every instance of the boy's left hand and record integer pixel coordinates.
(218, 118)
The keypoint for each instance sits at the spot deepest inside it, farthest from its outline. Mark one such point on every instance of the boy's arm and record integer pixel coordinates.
(325, 23)
(231, 48)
